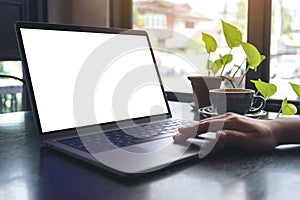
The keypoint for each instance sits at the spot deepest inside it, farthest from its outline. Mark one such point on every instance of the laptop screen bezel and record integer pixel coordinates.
(61, 27)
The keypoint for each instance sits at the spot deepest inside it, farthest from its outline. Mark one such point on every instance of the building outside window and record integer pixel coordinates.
(178, 45)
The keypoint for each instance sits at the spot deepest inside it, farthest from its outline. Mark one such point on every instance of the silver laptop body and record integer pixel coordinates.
(90, 85)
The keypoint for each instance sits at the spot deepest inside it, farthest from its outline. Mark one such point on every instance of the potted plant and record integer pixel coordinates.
(216, 68)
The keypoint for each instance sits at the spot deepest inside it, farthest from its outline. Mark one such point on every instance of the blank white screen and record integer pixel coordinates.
(55, 59)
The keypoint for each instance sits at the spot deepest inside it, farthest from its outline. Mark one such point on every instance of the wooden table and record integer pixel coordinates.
(29, 171)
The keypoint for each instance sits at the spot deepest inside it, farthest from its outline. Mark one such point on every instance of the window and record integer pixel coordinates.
(263, 31)
(259, 19)
(189, 24)
(285, 47)
(155, 21)
(175, 29)
(11, 11)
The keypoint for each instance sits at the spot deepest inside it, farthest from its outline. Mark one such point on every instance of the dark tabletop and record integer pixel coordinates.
(30, 171)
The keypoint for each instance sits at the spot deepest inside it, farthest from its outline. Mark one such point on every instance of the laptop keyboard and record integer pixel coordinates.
(125, 137)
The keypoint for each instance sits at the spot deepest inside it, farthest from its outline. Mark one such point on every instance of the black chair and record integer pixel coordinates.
(13, 90)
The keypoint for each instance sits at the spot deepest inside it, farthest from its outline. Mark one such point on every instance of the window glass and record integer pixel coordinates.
(175, 28)
(285, 47)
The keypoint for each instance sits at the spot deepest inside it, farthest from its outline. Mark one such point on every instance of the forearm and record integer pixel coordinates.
(286, 130)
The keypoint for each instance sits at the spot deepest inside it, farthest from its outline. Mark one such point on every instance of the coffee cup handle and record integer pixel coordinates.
(261, 106)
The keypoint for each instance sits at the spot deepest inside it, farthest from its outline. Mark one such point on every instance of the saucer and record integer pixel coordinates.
(209, 112)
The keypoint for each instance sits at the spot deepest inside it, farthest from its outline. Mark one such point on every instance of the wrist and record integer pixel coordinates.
(286, 130)
(277, 128)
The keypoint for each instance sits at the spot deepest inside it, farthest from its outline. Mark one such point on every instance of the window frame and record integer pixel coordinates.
(259, 34)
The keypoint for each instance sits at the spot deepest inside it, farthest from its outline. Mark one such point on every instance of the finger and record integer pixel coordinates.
(225, 138)
(228, 115)
(189, 129)
(209, 146)
(221, 141)
(186, 132)
(211, 126)
(216, 117)
(179, 137)
(228, 121)
(202, 127)
(225, 121)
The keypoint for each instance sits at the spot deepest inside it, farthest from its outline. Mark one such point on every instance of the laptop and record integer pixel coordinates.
(96, 94)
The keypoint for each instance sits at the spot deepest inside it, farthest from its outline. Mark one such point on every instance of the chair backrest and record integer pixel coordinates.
(8, 96)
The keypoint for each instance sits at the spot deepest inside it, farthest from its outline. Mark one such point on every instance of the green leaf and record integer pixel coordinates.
(217, 65)
(214, 69)
(288, 108)
(262, 58)
(266, 89)
(253, 56)
(232, 35)
(210, 43)
(296, 88)
(226, 58)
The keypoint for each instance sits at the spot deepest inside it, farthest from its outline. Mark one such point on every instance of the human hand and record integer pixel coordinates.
(235, 130)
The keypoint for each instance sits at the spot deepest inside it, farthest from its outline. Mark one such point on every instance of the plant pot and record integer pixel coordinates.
(201, 86)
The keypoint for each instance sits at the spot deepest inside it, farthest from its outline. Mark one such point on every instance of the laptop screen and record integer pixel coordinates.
(84, 78)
